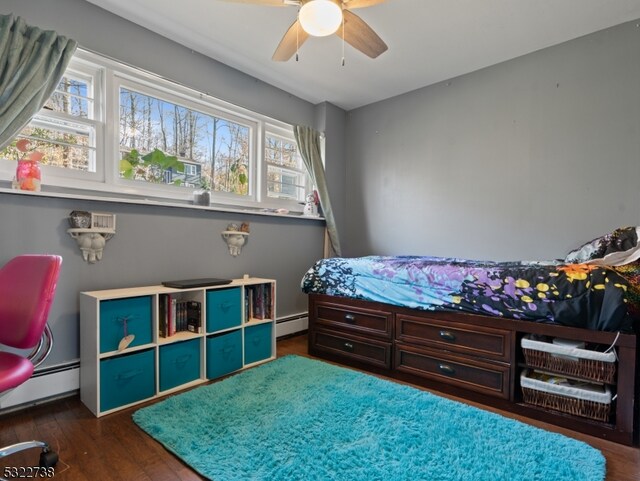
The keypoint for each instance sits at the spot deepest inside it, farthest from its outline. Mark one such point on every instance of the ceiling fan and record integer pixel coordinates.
(320, 18)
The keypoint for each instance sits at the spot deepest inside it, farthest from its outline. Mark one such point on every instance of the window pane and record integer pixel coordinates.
(208, 148)
(63, 130)
(284, 184)
(231, 154)
(286, 177)
(282, 152)
(70, 97)
(60, 148)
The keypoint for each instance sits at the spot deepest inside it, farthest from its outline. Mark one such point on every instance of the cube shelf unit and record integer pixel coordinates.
(125, 360)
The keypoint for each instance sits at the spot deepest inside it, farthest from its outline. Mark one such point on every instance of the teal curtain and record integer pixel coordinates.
(308, 141)
(32, 62)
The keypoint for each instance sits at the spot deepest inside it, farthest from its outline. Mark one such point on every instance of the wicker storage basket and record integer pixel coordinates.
(571, 400)
(581, 363)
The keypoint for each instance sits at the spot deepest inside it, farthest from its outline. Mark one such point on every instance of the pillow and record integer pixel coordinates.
(614, 249)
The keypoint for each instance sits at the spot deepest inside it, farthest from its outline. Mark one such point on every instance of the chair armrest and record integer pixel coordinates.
(43, 349)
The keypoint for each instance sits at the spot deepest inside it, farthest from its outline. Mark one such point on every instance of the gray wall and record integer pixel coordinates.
(521, 160)
(153, 244)
(156, 243)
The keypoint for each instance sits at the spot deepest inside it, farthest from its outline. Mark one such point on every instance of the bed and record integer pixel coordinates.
(595, 287)
(458, 325)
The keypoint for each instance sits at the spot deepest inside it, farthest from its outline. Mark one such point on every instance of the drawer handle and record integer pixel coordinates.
(350, 318)
(124, 376)
(446, 369)
(225, 306)
(348, 346)
(183, 359)
(226, 353)
(447, 336)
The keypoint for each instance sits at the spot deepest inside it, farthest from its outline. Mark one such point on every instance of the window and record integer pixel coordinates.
(159, 138)
(109, 127)
(286, 175)
(66, 130)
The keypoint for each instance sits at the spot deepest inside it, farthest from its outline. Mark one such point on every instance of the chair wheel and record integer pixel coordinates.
(48, 459)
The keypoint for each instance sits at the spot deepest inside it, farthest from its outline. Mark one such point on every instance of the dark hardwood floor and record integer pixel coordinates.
(114, 448)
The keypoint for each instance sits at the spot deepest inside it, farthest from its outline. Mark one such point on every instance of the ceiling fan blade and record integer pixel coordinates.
(292, 40)
(361, 36)
(268, 3)
(350, 4)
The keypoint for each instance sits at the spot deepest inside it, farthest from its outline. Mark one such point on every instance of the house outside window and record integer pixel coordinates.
(158, 138)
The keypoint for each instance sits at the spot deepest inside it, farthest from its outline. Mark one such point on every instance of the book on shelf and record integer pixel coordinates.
(247, 304)
(193, 311)
(177, 315)
(268, 295)
(162, 316)
(258, 302)
(172, 315)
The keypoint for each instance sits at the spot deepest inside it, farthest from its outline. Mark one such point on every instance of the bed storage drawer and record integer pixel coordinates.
(485, 377)
(480, 341)
(354, 319)
(368, 351)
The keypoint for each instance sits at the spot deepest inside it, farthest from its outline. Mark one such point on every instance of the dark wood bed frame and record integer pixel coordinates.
(471, 356)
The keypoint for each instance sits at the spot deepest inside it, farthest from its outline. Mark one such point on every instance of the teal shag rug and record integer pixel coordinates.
(300, 419)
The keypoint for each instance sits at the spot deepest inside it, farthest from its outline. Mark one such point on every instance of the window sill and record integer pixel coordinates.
(139, 200)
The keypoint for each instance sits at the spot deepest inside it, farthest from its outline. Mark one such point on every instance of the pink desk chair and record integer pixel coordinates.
(27, 287)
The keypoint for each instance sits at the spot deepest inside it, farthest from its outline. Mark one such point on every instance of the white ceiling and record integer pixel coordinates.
(429, 40)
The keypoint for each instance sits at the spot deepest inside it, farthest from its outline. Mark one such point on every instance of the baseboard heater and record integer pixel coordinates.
(285, 326)
(45, 384)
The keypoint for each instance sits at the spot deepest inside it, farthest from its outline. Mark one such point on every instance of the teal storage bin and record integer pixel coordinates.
(120, 317)
(257, 343)
(224, 354)
(224, 309)
(179, 363)
(126, 379)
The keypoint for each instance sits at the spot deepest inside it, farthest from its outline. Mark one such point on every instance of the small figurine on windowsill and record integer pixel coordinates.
(310, 206)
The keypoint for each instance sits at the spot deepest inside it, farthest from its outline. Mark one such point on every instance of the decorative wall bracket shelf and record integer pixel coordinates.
(91, 242)
(235, 240)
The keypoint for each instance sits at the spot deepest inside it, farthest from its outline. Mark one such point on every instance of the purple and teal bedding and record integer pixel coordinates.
(584, 295)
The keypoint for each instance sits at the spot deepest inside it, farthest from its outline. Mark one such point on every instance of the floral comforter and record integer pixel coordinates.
(577, 295)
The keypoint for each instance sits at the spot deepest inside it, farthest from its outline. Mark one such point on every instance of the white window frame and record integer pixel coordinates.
(143, 86)
(286, 133)
(108, 76)
(82, 69)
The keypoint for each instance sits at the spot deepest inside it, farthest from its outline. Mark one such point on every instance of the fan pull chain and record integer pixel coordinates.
(343, 36)
(297, 35)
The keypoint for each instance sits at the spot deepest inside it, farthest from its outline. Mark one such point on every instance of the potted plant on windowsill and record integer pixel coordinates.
(202, 194)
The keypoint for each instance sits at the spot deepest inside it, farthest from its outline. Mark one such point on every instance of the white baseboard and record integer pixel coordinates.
(43, 387)
(291, 327)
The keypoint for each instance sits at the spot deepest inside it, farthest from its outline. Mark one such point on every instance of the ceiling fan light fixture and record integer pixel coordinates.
(320, 17)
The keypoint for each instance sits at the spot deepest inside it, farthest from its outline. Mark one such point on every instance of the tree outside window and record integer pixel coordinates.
(215, 149)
